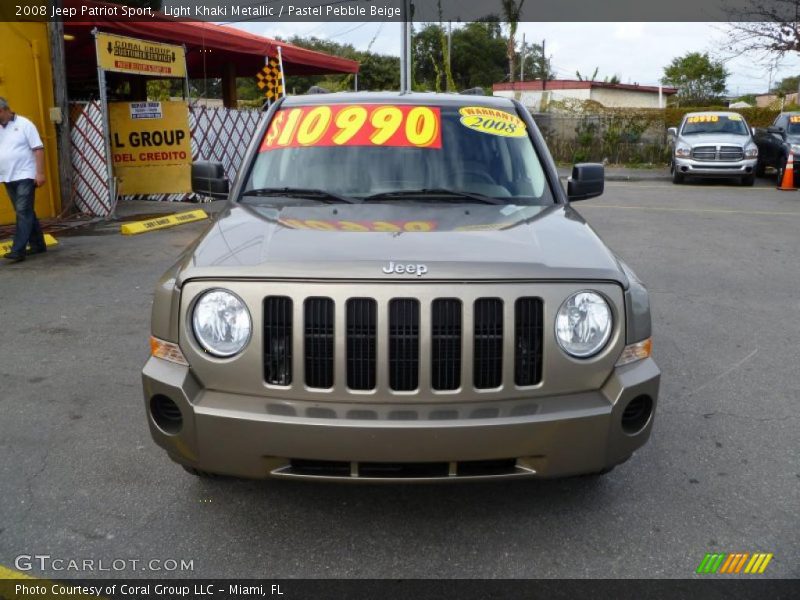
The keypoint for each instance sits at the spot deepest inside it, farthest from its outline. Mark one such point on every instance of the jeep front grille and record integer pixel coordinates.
(319, 342)
(528, 341)
(361, 343)
(278, 340)
(446, 344)
(488, 354)
(452, 332)
(403, 344)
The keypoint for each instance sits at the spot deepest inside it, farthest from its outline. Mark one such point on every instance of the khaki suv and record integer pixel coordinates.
(399, 289)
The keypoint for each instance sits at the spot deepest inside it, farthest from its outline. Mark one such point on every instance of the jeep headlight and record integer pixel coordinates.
(751, 152)
(583, 324)
(683, 151)
(221, 323)
(796, 148)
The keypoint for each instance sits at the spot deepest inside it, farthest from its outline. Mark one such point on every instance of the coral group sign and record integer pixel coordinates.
(140, 57)
(151, 147)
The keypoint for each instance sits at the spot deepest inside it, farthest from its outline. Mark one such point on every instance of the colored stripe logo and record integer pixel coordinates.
(734, 563)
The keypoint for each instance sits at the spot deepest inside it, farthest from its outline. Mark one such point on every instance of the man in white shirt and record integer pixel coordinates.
(22, 171)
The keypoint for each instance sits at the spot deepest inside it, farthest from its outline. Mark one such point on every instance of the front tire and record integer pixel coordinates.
(761, 169)
(677, 176)
(748, 180)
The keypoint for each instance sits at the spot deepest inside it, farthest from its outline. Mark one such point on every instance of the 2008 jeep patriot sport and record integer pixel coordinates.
(399, 289)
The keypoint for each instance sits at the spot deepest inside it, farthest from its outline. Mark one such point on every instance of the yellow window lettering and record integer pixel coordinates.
(386, 121)
(385, 226)
(314, 125)
(351, 226)
(320, 225)
(418, 226)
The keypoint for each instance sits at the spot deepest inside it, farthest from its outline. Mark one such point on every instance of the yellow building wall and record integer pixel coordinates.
(26, 81)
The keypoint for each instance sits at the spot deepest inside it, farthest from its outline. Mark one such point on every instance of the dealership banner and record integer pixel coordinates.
(140, 57)
(151, 147)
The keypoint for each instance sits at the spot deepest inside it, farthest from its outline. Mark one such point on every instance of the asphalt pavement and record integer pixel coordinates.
(81, 479)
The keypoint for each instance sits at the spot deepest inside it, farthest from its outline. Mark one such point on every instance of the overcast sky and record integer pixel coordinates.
(637, 52)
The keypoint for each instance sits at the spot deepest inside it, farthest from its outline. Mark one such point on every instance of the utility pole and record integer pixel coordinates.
(449, 44)
(544, 68)
(522, 60)
(55, 31)
(405, 49)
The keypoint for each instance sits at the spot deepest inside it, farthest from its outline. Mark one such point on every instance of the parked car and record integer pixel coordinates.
(713, 144)
(776, 141)
(400, 289)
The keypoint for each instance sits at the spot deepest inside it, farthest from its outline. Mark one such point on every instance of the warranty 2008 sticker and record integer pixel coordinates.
(492, 121)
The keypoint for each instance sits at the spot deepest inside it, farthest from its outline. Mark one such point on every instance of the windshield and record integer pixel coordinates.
(794, 126)
(732, 124)
(394, 153)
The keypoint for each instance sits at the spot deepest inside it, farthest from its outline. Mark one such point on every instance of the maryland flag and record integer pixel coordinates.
(270, 79)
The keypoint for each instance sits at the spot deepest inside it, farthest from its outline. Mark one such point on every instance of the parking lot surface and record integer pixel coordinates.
(80, 477)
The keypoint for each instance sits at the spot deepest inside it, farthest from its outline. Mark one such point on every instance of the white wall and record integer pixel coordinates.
(612, 98)
(532, 99)
(606, 96)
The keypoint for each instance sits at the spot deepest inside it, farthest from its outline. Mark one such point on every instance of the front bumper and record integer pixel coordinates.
(258, 437)
(705, 168)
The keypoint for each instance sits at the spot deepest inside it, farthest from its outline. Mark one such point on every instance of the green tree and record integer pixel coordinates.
(429, 57)
(377, 71)
(586, 78)
(511, 12)
(699, 79)
(479, 55)
(787, 85)
(535, 64)
(607, 79)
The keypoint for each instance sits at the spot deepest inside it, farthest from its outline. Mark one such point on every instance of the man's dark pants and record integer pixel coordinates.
(22, 194)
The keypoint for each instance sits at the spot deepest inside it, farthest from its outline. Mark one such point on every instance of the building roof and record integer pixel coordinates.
(574, 84)
(209, 47)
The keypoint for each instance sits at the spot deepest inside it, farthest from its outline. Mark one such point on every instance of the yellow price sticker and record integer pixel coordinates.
(355, 125)
(703, 119)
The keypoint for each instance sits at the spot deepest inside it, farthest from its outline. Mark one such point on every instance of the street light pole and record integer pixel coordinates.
(405, 49)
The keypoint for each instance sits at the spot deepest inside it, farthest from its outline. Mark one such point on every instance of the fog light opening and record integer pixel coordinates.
(166, 414)
(637, 414)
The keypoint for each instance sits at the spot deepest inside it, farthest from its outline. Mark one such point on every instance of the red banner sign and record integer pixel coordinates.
(355, 125)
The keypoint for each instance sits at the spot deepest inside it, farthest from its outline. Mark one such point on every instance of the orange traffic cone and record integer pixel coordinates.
(786, 182)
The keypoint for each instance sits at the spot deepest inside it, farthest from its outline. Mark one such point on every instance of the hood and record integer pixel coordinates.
(367, 242)
(711, 139)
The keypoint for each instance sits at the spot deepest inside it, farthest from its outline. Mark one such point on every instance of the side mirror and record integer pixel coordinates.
(775, 129)
(208, 179)
(673, 131)
(587, 181)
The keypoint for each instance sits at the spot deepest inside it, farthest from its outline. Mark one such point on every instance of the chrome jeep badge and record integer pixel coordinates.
(410, 269)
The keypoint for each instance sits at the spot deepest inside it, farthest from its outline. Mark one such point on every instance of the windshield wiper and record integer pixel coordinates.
(293, 192)
(433, 192)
